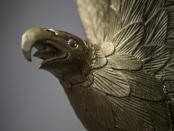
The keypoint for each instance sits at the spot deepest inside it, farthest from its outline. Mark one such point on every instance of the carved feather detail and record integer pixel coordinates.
(141, 65)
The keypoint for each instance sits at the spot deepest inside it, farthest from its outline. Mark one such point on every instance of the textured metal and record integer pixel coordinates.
(122, 77)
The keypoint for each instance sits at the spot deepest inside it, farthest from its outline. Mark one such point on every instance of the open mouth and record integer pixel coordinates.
(49, 51)
(51, 45)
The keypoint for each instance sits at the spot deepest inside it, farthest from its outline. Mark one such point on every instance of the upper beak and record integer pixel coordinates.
(30, 37)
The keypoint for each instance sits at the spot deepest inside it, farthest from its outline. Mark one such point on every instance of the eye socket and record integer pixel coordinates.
(72, 43)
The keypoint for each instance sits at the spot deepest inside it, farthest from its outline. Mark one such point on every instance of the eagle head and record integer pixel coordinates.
(62, 53)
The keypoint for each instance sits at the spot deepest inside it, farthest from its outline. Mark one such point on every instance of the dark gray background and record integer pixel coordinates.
(32, 99)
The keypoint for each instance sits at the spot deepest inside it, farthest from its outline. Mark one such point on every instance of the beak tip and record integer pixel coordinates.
(27, 55)
(29, 59)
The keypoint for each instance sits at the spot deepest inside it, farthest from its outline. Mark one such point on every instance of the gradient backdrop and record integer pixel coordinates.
(32, 99)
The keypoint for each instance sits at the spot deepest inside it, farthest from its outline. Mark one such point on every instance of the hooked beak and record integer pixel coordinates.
(30, 37)
(51, 44)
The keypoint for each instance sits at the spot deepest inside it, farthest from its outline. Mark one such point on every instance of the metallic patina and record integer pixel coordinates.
(122, 77)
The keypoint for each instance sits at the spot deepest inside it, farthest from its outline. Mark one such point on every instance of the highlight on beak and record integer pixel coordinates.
(30, 37)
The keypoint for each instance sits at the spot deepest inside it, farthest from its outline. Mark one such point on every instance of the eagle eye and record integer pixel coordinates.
(72, 43)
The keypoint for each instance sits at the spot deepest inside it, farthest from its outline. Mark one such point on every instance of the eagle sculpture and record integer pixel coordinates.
(122, 77)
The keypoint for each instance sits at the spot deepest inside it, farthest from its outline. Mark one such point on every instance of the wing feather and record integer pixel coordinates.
(143, 31)
(148, 116)
(93, 14)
